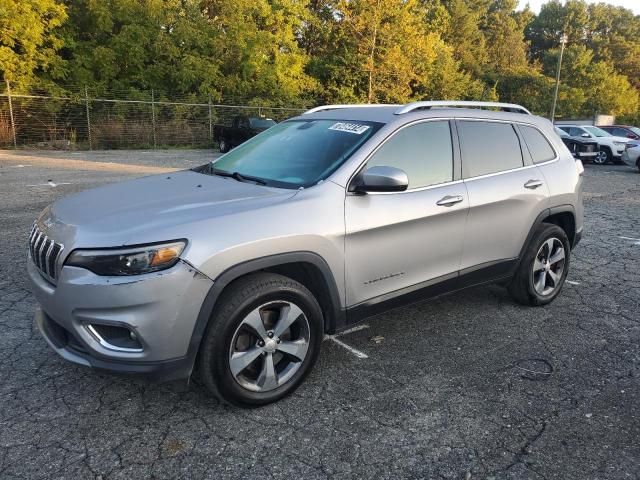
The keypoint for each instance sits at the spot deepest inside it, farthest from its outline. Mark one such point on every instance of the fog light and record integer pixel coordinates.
(115, 337)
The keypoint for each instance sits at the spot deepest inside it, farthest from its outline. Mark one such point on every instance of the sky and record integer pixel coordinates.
(630, 4)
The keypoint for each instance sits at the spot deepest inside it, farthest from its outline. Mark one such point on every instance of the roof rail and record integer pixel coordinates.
(353, 105)
(507, 107)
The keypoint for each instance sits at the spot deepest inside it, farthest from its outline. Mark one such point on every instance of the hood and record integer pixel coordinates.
(148, 209)
(614, 138)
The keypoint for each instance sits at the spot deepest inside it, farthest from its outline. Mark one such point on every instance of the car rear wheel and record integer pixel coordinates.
(262, 340)
(603, 156)
(543, 268)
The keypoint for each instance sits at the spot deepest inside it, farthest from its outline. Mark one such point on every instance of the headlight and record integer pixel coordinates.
(128, 261)
(619, 144)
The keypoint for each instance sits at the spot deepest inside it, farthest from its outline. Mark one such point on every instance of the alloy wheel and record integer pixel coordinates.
(600, 158)
(548, 266)
(269, 346)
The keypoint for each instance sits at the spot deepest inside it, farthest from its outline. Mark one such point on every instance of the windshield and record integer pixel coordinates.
(261, 122)
(597, 132)
(560, 132)
(297, 153)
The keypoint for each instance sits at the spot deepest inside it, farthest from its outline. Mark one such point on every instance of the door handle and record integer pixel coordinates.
(449, 200)
(533, 184)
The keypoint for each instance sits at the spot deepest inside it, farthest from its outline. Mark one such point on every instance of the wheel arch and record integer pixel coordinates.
(308, 268)
(563, 216)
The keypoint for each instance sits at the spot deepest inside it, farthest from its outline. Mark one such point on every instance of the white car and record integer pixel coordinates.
(611, 147)
(631, 156)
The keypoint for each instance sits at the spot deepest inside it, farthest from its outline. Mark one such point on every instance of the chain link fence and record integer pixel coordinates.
(85, 122)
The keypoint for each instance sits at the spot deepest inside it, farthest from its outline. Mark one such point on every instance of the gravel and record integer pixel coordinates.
(467, 386)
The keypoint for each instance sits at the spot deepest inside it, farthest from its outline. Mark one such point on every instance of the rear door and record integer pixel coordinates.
(398, 241)
(506, 194)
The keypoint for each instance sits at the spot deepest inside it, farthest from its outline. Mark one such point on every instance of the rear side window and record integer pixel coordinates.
(539, 147)
(424, 151)
(488, 147)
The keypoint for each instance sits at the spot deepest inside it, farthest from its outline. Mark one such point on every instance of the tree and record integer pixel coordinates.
(503, 30)
(595, 84)
(29, 39)
(383, 51)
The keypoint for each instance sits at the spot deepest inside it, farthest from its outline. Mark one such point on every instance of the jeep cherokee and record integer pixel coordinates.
(236, 269)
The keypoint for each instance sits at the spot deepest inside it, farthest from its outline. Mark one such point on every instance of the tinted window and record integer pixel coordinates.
(576, 132)
(538, 146)
(424, 151)
(488, 147)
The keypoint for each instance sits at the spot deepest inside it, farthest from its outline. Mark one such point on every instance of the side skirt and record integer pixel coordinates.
(486, 273)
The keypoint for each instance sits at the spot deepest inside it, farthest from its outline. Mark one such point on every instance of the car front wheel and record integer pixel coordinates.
(262, 341)
(603, 156)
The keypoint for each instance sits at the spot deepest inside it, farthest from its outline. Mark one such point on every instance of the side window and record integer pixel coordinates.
(424, 151)
(576, 132)
(537, 144)
(488, 147)
(620, 132)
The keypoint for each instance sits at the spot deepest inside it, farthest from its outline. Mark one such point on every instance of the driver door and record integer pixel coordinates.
(399, 242)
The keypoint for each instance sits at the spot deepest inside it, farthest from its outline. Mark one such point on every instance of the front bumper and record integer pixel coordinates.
(160, 308)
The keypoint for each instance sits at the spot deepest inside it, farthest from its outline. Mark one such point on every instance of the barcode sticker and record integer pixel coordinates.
(356, 128)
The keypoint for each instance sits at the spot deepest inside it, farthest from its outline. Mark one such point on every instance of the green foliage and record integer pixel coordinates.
(304, 52)
(28, 39)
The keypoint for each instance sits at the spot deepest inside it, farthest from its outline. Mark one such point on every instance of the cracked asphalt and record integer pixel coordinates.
(468, 386)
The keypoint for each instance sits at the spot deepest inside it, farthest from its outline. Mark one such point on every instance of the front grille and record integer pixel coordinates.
(588, 148)
(44, 253)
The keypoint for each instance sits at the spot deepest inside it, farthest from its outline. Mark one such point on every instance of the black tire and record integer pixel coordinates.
(522, 287)
(603, 157)
(224, 146)
(237, 301)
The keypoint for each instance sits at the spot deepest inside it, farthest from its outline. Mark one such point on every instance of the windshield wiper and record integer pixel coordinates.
(238, 176)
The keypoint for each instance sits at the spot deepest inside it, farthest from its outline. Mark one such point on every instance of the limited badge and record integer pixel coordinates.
(356, 128)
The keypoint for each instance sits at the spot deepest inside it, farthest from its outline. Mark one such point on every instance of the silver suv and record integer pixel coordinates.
(237, 269)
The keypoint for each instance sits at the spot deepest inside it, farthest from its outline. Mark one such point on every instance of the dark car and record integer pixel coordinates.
(581, 149)
(242, 129)
(628, 131)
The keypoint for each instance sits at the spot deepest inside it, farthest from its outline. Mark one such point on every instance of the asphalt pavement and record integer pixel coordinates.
(468, 386)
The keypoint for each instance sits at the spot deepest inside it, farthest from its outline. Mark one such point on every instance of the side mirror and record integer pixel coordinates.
(382, 179)
(585, 135)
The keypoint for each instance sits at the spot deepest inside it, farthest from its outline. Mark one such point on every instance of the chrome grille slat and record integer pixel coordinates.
(47, 257)
(44, 253)
(36, 249)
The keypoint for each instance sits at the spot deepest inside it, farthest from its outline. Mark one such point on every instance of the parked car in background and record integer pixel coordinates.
(627, 131)
(581, 148)
(631, 155)
(241, 266)
(610, 147)
(242, 129)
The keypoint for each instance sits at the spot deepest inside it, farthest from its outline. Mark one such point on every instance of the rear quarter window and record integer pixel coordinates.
(488, 147)
(538, 145)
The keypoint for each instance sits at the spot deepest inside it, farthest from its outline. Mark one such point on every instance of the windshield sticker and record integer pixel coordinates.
(349, 127)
